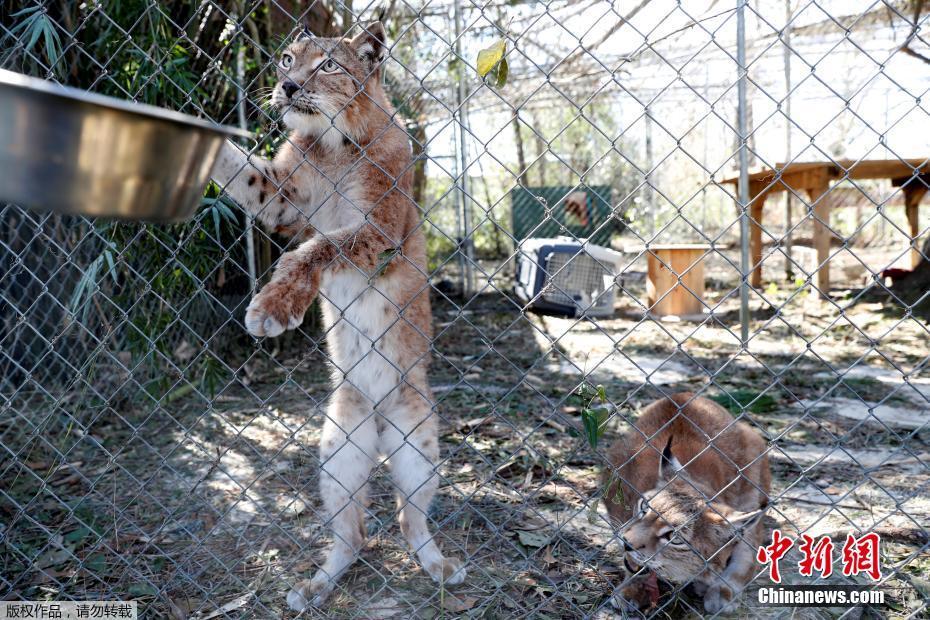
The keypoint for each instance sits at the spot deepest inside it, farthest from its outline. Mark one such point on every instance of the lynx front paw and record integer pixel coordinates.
(719, 599)
(310, 593)
(278, 306)
(448, 571)
(624, 605)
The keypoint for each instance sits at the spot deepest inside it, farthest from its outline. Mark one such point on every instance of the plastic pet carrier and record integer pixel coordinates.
(564, 276)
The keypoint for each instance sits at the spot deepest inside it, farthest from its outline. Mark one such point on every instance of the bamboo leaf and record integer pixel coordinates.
(52, 42)
(108, 255)
(25, 11)
(36, 28)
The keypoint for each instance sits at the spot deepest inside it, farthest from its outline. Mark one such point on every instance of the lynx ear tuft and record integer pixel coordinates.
(305, 33)
(369, 45)
(668, 464)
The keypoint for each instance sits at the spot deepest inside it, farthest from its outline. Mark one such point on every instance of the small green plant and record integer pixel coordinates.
(618, 497)
(738, 400)
(384, 260)
(143, 283)
(593, 419)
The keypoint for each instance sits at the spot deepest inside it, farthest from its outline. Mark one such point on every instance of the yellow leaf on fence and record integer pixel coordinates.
(490, 56)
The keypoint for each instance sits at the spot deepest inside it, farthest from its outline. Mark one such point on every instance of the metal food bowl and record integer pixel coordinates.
(71, 151)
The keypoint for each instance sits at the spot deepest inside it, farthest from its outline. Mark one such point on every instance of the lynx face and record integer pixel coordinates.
(677, 532)
(322, 82)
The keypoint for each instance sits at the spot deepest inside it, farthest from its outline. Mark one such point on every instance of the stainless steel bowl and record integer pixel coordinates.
(67, 150)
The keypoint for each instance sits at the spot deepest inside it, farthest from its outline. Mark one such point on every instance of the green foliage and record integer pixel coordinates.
(593, 419)
(33, 23)
(87, 286)
(741, 399)
(149, 288)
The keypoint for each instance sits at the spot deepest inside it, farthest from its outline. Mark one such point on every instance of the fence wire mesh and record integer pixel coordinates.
(150, 449)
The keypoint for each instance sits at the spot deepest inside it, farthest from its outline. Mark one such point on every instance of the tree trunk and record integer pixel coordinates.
(521, 154)
(318, 17)
(540, 152)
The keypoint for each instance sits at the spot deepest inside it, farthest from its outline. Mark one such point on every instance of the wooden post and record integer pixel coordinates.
(757, 194)
(822, 234)
(913, 192)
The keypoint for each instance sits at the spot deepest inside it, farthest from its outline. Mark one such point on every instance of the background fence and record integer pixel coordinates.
(149, 449)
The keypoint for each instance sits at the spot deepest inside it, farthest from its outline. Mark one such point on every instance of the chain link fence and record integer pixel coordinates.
(151, 450)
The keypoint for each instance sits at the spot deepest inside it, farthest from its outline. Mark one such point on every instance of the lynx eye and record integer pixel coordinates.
(674, 539)
(641, 508)
(329, 66)
(286, 61)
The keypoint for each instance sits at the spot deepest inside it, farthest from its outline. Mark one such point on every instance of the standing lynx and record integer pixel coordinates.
(342, 181)
(697, 523)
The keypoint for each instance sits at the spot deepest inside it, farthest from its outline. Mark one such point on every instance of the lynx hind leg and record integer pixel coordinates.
(345, 464)
(413, 450)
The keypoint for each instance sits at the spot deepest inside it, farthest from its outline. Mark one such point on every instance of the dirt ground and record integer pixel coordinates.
(207, 508)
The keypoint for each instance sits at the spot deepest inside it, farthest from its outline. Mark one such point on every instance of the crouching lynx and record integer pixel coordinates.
(342, 181)
(697, 524)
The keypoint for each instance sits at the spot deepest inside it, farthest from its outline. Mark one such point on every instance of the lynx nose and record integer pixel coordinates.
(289, 88)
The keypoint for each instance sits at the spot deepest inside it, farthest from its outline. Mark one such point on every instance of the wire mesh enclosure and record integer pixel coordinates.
(151, 450)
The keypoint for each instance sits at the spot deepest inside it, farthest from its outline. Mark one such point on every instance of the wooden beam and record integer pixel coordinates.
(757, 195)
(821, 207)
(913, 192)
(855, 169)
(755, 242)
(904, 181)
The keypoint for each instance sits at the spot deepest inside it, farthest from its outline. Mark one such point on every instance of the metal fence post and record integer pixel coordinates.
(786, 38)
(745, 272)
(243, 124)
(467, 244)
